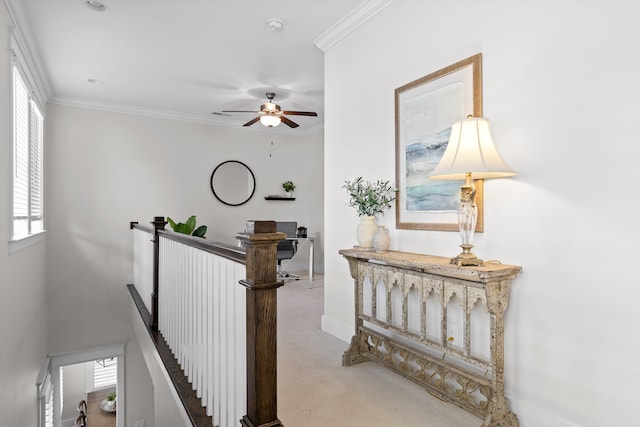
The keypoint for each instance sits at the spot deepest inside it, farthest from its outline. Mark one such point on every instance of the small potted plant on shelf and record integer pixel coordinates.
(288, 186)
(370, 199)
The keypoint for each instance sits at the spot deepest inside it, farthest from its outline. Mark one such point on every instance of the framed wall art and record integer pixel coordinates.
(425, 110)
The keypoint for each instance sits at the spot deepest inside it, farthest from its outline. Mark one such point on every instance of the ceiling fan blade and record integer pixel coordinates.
(250, 122)
(301, 113)
(288, 122)
(240, 111)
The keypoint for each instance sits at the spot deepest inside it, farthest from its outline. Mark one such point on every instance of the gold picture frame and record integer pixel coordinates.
(425, 109)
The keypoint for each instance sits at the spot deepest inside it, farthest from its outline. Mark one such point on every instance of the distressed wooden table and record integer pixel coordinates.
(437, 324)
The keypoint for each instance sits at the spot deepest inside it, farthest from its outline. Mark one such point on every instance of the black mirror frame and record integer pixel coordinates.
(252, 177)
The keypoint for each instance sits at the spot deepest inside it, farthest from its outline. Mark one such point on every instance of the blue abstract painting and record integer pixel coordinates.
(427, 126)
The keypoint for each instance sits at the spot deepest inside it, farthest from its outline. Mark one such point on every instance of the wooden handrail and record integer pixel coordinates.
(234, 253)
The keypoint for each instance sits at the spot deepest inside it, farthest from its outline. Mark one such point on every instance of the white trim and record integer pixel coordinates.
(57, 396)
(86, 355)
(354, 19)
(26, 66)
(21, 38)
(44, 372)
(533, 415)
(337, 328)
(26, 241)
(44, 386)
(172, 115)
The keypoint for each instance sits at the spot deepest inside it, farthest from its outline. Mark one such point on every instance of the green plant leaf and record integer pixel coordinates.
(369, 198)
(191, 224)
(200, 231)
(171, 223)
(288, 186)
(182, 228)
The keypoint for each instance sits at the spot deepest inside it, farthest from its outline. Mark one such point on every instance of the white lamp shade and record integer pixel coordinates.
(269, 120)
(471, 149)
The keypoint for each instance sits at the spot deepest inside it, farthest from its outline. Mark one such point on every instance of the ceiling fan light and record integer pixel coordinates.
(96, 5)
(270, 121)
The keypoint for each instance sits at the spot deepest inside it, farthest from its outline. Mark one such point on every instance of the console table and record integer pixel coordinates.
(437, 324)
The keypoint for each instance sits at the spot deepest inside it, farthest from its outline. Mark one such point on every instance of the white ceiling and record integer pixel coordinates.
(187, 58)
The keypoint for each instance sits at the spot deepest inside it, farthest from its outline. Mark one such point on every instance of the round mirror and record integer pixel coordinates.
(233, 183)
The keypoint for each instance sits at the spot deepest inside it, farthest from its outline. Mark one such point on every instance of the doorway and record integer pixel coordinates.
(93, 377)
(89, 393)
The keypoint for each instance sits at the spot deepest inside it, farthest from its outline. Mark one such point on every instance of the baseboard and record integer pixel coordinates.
(337, 328)
(530, 415)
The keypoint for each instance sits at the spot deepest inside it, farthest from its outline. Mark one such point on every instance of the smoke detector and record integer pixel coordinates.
(274, 24)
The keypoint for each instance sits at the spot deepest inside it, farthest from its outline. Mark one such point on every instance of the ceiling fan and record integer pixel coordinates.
(271, 115)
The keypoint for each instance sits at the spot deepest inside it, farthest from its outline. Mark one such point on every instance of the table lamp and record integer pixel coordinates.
(470, 155)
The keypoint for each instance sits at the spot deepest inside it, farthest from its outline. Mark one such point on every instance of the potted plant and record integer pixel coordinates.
(288, 186)
(188, 227)
(369, 199)
(111, 401)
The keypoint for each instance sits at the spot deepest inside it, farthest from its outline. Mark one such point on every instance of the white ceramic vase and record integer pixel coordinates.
(366, 229)
(381, 239)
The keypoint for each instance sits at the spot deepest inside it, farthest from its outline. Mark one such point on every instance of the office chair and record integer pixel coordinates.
(286, 248)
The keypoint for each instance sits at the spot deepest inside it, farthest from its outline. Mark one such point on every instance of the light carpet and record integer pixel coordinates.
(315, 390)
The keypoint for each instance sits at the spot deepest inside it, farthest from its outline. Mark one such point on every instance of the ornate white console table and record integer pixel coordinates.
(437, 324)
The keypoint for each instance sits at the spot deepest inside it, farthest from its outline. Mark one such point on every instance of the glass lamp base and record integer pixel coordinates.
(466, 258)
(467, 216)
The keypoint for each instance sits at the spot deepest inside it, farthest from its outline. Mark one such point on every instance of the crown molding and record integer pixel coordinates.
(358, 16)
(23, 37)
(172, 115)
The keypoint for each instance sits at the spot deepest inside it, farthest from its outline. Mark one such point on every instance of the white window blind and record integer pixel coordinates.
(28, 125)
(46, 402)
(105, 373)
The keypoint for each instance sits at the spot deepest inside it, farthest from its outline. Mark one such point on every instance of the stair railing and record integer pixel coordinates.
(215, 306)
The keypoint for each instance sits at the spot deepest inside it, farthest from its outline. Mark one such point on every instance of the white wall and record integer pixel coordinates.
(113, 168)
(106, 169)
(561, 88)
(74, 389)
(22, 282)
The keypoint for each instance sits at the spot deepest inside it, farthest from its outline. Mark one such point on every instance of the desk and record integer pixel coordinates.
(301, 241)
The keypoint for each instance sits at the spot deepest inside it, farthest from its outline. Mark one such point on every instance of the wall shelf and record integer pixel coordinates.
(279, 198)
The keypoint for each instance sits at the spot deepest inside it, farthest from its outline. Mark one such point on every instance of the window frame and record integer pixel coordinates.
(21, 65)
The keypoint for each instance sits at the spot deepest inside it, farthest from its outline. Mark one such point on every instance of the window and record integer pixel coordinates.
(104, 373)
(28, 125)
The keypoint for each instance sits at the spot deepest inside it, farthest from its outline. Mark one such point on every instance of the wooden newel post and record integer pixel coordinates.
(158, 224)
(262, 285)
